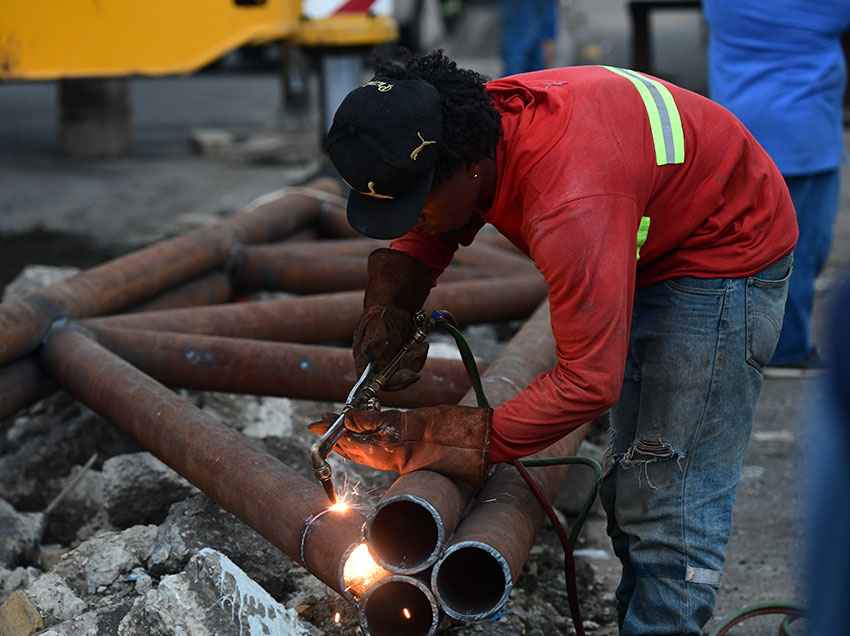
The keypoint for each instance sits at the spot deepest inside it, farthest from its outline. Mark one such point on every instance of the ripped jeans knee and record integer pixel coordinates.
(644, 454)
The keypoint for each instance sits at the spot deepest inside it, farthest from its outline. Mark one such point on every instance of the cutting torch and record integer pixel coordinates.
(364, 395)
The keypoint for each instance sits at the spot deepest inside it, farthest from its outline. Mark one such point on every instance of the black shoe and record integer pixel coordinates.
(810, 367)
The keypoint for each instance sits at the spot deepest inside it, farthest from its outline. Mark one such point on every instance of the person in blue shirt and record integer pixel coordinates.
(780, 68)
(529, 32)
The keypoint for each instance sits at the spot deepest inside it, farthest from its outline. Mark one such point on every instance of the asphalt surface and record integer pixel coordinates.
(114, 205)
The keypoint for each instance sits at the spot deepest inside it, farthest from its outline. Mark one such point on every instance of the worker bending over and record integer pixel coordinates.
(664, 232)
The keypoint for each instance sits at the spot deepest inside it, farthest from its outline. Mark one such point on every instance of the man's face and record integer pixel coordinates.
(450, 205)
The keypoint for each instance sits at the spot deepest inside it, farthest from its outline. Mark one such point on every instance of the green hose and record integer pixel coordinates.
(792, 611)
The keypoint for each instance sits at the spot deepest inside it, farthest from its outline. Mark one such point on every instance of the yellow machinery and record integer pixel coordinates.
(99, 39)
(52, 39)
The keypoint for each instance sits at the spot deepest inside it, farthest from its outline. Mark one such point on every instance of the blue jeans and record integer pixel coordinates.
(678, 437)
(816, 201)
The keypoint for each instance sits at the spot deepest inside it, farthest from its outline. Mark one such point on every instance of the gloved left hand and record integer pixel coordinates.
(452, 440)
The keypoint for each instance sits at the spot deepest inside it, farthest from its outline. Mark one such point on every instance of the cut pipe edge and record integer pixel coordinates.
(422, 540)
(399, 604)
(472, 581)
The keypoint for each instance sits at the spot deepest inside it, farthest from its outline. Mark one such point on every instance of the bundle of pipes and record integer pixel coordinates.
(477, 550)
(179, 330)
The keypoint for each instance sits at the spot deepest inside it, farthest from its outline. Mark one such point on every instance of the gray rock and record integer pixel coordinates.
(48, 446)
(213, 597)
(101, 564)
(138, 488)
(19, 578)
(20, 534)
(78, 514)
(55, 601)
(103, 621)
(197, 523)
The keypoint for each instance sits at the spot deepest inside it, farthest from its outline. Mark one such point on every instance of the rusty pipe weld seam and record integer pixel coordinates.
(409, 528)
(210, 289)
(273, 269)
(332, 317)
(235, 365)
(230, 468)
(404, 511)
(136, 277)
(474, 578)
(399, 604)
(24, 381)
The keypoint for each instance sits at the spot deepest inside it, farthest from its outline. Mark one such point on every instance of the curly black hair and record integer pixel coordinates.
(471, 124)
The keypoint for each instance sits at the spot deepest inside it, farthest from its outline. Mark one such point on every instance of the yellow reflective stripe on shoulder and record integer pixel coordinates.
(664, 121)
(642, 233)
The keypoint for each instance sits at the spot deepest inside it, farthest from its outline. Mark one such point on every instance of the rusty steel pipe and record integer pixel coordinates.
(285, 508)
(411, 524)
(399, 604)
(276, 268)
(210, 289)
(234, 365)
(415, 517)
(136, 277)
(332, 317)
(474, 577)
(480, 255)
(22, 383)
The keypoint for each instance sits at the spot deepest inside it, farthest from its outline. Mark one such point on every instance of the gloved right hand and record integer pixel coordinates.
(397, 288)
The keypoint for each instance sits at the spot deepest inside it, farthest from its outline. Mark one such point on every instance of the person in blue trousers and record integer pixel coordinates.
(827, 475)
(779, 67)
(529, 32)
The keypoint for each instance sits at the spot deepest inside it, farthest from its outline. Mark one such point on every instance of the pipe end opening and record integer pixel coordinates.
(472, 581)
(404, 536)
(399, 605)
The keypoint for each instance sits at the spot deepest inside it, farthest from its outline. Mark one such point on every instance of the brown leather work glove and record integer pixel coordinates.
(398, 286)
(452, 440)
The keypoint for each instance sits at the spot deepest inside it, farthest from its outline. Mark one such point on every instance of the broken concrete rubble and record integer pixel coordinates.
(211, 597)
(20, 534)
(138, 488)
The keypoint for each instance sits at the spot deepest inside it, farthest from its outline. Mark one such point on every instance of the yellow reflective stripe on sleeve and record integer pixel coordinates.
(664, 120)
(642, 233)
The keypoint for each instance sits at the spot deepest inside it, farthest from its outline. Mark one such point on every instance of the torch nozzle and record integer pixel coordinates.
(330, 491)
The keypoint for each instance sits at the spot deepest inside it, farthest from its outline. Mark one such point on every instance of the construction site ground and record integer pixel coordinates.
(77, 213)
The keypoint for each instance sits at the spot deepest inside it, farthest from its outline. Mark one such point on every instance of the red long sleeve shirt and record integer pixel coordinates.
(579, 188)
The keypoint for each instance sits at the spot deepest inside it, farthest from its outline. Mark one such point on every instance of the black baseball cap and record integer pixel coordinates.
(383, 142)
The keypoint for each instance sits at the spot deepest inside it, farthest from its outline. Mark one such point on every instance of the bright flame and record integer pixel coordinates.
(336, 618)
(360, 570)
(406, 613)
(340, 506)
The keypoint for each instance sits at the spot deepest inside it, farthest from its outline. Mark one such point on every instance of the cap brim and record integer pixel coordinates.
(388, 218)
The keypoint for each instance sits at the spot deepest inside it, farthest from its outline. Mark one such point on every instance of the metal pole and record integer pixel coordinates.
(285, 508)
(332, 317)
(210, 289)
(277, 268)
(234, 365)
(135, 278)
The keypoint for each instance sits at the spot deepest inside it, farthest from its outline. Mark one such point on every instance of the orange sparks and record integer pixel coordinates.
(340, 506)
(336, 618)
(361, 571)
(406, 613)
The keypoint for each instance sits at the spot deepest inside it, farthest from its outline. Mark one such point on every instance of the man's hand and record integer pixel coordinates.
(398, 285)
(379, 335)
(452, 440)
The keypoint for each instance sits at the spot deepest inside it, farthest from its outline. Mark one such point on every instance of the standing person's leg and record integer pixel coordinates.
(816, 201)
(696, 354)
(518, 36)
